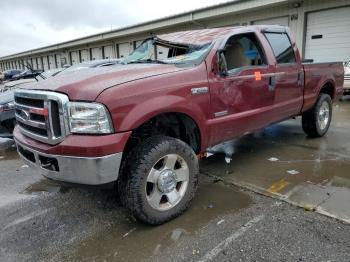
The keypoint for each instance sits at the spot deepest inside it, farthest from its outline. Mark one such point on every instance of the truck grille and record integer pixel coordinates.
(40, 115)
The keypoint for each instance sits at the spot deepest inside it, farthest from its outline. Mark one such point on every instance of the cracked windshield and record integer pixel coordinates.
(168, 53)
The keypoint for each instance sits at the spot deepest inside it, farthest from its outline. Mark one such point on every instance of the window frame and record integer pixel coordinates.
(259, 47)
(278, 32)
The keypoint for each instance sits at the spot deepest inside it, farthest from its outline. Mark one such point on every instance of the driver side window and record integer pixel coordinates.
(243, 51)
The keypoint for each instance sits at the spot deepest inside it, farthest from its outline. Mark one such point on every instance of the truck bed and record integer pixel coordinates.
(316, 75)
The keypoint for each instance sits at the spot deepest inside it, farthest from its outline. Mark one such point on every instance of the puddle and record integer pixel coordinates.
(281, 161)
(131, 241)
(9, 154)
(6, 143)
(45, 186)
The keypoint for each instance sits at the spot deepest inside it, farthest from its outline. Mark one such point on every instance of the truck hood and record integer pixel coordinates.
(87, 84)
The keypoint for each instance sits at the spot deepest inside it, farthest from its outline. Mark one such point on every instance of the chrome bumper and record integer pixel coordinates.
(81, 170)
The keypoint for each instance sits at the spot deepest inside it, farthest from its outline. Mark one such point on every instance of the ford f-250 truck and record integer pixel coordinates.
(145, 122)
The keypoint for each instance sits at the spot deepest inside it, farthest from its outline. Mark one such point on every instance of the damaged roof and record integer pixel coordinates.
(197, 37)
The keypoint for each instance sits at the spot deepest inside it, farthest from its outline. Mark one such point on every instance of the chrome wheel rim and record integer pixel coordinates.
(323, 115)
(167, 182)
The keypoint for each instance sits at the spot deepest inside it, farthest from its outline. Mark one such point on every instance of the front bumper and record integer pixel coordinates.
(82, 170)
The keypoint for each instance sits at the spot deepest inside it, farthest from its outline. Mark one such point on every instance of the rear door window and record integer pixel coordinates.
(282, 47)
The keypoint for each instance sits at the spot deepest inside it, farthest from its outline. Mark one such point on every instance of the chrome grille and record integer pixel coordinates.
(41, 115)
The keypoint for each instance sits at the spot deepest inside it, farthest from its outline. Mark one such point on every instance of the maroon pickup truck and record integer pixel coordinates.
(145, 122)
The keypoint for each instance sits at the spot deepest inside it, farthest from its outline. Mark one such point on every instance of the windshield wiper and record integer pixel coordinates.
(141, 61)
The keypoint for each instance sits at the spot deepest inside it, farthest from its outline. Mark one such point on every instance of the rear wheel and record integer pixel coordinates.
(317, 120)
(159, 179)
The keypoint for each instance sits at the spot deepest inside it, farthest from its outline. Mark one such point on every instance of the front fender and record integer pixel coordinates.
(150, 108)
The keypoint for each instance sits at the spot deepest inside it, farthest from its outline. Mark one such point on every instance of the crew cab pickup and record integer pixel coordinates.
(145, 122)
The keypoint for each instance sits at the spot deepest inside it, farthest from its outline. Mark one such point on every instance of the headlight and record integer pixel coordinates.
(7, 106)
(88, 118)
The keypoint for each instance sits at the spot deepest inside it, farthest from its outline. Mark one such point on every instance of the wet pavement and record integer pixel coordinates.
(282, 162)
(44, 220)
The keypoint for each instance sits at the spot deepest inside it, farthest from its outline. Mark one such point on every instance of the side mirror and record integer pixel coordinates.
(222, 64)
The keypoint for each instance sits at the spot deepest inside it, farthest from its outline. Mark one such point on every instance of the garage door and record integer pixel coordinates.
(328, 35)
(52, 63)
(45, 63)
(124, 50)
(74, 57)
(58, 60)
(108, 52)
(39, 63)
(138, 43)
(284, 20)
(96, 53)
(84, 55)
(162, 52)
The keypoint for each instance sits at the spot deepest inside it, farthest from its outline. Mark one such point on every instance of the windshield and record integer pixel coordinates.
(157, 51)
(28, 71)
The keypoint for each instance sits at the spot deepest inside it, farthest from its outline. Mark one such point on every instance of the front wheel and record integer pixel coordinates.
(159, 179)
(317, 120)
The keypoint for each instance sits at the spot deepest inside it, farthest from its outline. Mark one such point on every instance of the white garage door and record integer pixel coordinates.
(284, 20)
(45, 63)
(162, 52)
(108, 52)
(328, 35)
(52, 63)
(138, 43)
(58, 60)
(96, 53)
(74, 56)
(39, 63)
(84, 54)
(124, 50)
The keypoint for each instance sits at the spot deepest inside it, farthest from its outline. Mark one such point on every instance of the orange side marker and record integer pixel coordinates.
(257, 75)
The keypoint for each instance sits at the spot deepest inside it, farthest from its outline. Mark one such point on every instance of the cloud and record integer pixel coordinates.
(36, 23)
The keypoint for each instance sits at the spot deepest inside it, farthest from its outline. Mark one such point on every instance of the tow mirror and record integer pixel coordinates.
(222, 64)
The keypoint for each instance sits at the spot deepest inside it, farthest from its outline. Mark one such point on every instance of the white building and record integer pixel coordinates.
(321, 29)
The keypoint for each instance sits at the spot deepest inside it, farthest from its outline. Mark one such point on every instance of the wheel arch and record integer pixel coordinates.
(175, 112)
(174, 124)
(328, 88)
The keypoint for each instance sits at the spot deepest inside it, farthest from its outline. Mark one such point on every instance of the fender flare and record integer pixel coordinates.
(151, 108)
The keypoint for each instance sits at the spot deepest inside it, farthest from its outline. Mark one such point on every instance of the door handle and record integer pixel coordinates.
(272, 83)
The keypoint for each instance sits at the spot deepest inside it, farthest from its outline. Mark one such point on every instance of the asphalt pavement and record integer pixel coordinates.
(251, 209)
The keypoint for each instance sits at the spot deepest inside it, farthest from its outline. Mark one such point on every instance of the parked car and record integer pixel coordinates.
(91, 64)
(145, 122)
(347, 78)
(7, 113)
(9, 74)
(16, 83)
(7, 110)
(7, 116)
(27, 74)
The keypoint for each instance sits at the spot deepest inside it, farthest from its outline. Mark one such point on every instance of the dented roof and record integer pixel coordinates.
(197, 37)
